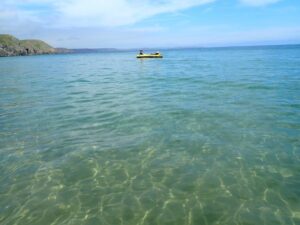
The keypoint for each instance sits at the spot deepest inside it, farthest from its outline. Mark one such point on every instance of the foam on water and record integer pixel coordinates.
(205, 136)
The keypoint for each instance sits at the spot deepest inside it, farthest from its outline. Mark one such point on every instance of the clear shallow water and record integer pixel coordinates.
(200, 137)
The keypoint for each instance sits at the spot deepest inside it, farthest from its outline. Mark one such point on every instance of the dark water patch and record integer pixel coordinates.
(81, 80)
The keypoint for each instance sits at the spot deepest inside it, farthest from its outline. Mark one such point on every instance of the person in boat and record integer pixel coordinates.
(141, 52)
(156, 53)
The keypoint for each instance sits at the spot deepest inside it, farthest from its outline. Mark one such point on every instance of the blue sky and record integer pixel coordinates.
(152, 23)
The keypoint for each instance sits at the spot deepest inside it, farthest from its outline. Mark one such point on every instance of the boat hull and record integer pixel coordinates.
(145, 56)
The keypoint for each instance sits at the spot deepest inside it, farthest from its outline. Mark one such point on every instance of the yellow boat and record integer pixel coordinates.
(145, 56)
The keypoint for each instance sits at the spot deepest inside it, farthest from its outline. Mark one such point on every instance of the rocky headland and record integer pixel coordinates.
(11, 46)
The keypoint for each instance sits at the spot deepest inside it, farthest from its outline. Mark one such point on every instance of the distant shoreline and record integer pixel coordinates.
(112, 50)
(11, 46)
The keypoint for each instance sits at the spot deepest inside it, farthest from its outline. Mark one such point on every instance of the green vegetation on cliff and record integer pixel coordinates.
(11, 46)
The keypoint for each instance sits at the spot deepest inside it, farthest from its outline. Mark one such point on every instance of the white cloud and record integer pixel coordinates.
(97, 13)
(119, 12)
(258, 2)
(108, 23)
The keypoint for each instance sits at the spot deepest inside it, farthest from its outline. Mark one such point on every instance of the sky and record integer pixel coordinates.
(152, 23)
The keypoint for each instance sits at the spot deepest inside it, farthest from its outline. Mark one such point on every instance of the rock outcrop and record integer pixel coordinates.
(11, 46)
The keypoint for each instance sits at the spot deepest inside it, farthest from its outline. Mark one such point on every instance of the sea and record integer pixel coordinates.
(203, 136)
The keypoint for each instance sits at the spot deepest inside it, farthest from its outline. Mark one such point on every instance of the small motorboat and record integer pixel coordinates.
(152, 55)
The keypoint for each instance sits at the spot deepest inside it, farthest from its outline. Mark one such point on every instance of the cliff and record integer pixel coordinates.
(11, 46)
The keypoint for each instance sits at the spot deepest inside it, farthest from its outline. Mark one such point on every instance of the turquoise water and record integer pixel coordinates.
(209, 136)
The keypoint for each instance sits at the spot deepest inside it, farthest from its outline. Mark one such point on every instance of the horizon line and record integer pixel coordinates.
(182, 47)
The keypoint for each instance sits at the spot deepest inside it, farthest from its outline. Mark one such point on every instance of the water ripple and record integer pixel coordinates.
(206, 136)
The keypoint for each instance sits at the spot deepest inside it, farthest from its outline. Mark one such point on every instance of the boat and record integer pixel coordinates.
(152, 55)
